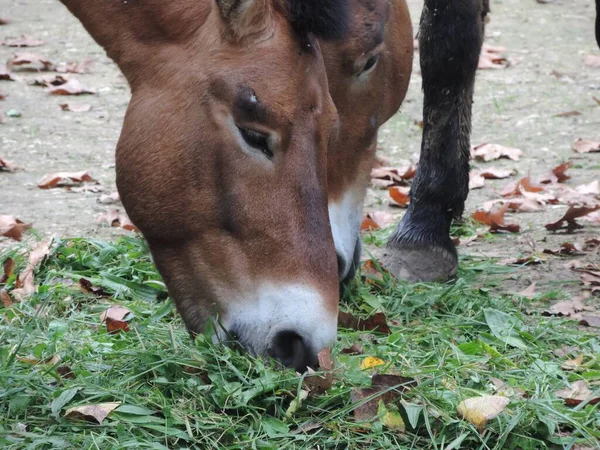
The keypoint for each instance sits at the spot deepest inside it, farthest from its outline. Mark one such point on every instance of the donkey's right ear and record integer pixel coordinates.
(245, 19)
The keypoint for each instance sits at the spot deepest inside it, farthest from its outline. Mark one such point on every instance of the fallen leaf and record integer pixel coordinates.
(71, 87)
(568, 114)
(65, 372)
(585, 146)
(390, 417)
(376, 220)
(565, 308)
(23, 41)
(480, 410)
(85, 66)
(4, 21)
(116, 318)
(385, 177)
(7, 166)
(318, 383)
(592, 61)
(370, 362)
(400, 196)
(377, 321)
(558, 174)
(568, 196)
(87, 287)
(25, 281)
(116, 218)
(590, 278)
(5, 299)
(354, 349)
(51, 360)
(61, 179)
(3, 96)
(521, 261)
(13, 228)
(476, 181)
(489, 152)
(385, 388)
(573, 364)
(528, 292)
(596, 99)
(50, 80)
(592, 188)
(567, 248)
(573, 213)
(493, 173)
(91, 413)
(5, 73)
(577, 393)
(495, 219)
(590, 321)
(8, 270)
(75, 108)
(110, 199)
(492, 58)
(373, 274)
(93, 188)
(26, 59)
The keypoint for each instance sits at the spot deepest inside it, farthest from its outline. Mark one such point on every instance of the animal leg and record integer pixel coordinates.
(450, 39)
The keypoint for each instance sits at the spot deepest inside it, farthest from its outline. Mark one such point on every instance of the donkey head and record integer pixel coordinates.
(222, 161)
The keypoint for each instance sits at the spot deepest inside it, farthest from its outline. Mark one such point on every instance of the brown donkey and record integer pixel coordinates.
(249, 139)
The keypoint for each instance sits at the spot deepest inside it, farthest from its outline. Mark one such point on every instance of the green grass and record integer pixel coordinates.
(177, 393)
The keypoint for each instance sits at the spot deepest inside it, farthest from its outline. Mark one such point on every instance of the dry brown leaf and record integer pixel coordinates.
(495, 219)
(5, 73)
(585, 146)
(376, 220)
(51, 360)
(489, 152)
(110, 199)
(76, 108)
(3, 96)
(65, 372)
(116, 318)
(354, 349)
(116, 218)
(50, 80)
(85, 66)
(528, 292)
(23, 41)
(480, 410)
(592, 188)
(4, 21)
(61, 179)
(592, 61)
(71, 87)
(558, 174)
(476, 181)
(400, 196)
(590, 321)
(377, 321)
(13, 228)
(25, 282)
(385, 388)
(494, 173)
(32, 60)
(568, 114)
(385, 177)
(320, 383)
(590, 278)
(577, 393)
(7, 166)
(567, 248)
(573, 213)
(492, 58)
(5, 299)
(566, 308)
(8, 270)
(91, 413)
(573, 364)
(87, 287)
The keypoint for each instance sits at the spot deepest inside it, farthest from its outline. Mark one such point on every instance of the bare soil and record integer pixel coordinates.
(515, 107)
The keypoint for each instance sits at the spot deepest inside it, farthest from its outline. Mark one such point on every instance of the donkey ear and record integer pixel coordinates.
(245, 18)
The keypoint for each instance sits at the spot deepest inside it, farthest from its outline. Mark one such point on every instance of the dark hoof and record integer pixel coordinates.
(420, 263)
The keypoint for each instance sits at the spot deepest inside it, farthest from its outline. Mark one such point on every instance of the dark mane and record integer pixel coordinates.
(326, 19)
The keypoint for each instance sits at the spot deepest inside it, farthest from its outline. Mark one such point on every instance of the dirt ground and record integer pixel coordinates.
(514, 107)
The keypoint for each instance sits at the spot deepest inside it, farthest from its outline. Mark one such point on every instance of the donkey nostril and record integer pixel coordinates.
(289, 348)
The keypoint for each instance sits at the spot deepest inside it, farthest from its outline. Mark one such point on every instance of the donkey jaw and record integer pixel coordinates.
(345, 215)
(276, 309)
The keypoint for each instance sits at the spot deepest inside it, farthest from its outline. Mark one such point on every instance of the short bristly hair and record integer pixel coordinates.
(326, 19)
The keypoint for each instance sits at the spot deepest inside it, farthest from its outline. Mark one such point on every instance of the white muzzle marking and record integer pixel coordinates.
(256, 319)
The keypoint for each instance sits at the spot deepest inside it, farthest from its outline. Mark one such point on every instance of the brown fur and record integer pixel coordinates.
(218, 219)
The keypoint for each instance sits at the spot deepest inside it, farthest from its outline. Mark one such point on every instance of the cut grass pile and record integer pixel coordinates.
(456, 341)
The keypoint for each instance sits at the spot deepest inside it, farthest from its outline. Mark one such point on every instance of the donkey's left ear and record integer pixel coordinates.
(246, 18)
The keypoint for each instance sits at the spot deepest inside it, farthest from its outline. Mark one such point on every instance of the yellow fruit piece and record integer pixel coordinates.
(371, 361)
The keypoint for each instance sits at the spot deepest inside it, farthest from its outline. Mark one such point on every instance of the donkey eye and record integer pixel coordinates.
(259, 141)
(370, 63)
